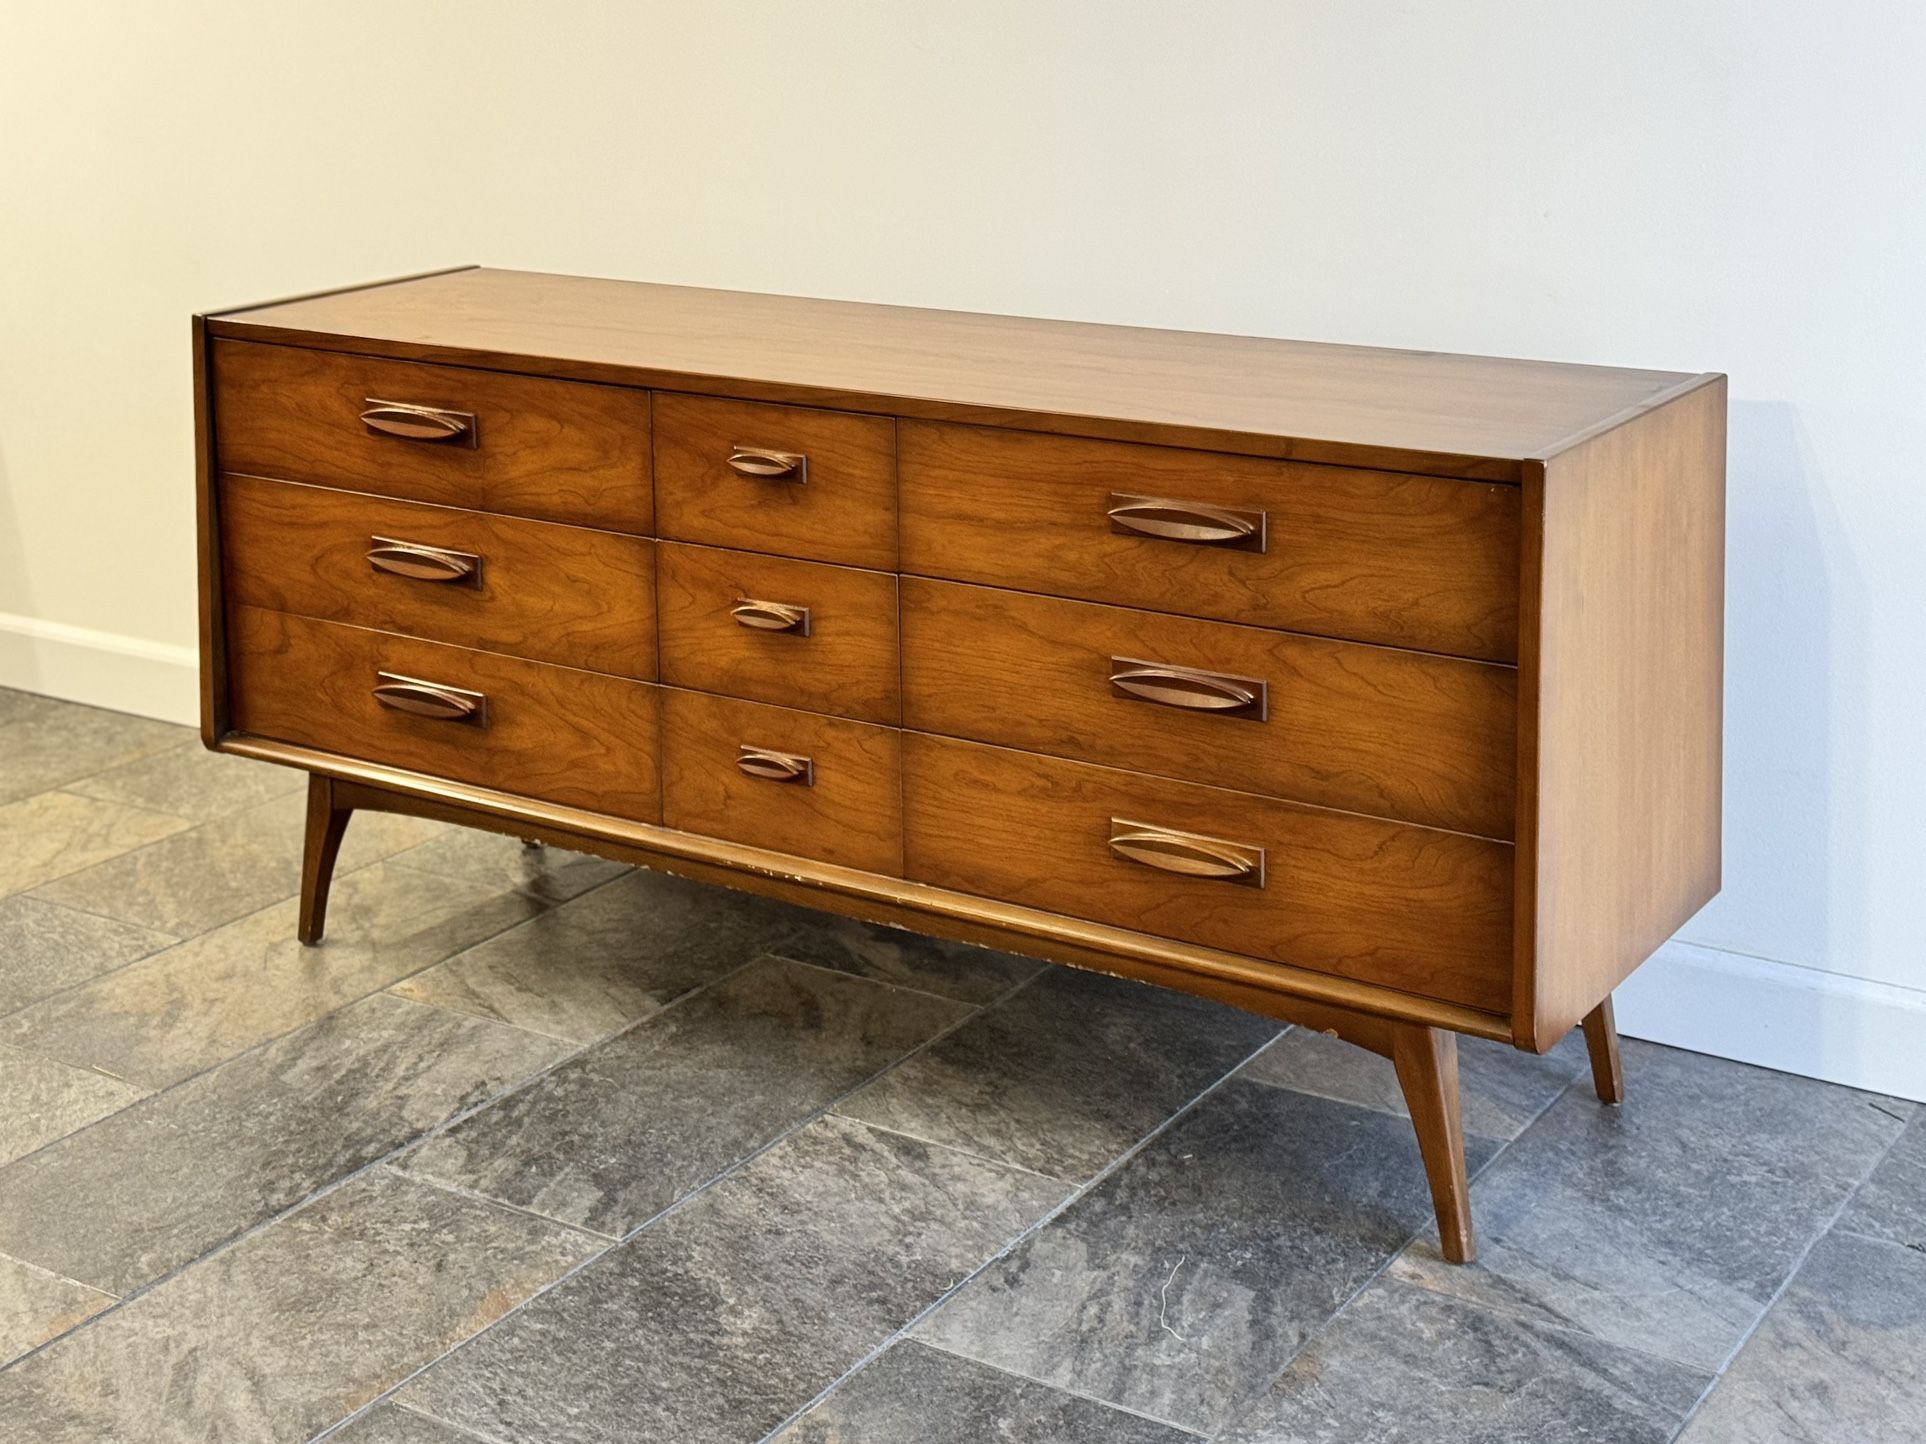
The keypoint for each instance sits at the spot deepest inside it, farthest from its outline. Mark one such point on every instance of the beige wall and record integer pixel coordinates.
(1689, 184)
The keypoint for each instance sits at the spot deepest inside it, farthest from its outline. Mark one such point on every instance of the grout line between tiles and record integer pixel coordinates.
(999, 1163)
(1074, 1393)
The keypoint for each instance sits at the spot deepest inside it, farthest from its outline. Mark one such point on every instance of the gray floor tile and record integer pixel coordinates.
(391, 1424)
(1840, 1359)
(53, 834)
(895, 955)
(36, 1306)
(1668, 1223)
(42, 1099)
(45, 744)
(17, 706)
(189, 781)
(294, 1327)
(163, 1181)
(917, 1393)
(1503, 1088)
(620, 1132)
(1064, 1075)
(1891, 1205)
(721, 1320)
(1405, 1366)
(47, 948)
(548, 874)
(1191, 1275)
(175, 1013)
(592, 966)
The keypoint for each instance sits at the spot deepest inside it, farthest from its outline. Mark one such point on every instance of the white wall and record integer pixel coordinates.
(1693, 184)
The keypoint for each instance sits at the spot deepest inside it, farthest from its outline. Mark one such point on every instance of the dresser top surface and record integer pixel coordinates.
(1421, 411)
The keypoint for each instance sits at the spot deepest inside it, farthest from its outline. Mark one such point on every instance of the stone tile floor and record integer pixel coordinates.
(539, 1148)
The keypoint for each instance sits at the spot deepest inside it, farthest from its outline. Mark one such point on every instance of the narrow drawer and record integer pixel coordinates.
(1408, 561)
(1400, 734)
(535, 589)
(574, 738)
(1423, 911)
(818, 787)
(798, 634)
(526, 445)
(783, 479)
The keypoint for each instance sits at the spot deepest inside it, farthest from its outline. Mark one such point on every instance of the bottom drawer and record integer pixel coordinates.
(795, 782)
(579, 739)
(1412, 908)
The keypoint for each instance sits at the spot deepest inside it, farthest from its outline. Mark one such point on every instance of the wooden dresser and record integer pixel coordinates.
(1377, 691)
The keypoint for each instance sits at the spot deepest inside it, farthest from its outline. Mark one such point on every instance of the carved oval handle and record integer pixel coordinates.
(1187, 688)
(771, 616)
(1188, 854)
(1187, 521)
(421, 562)
(767, 464)
(410, 422)
(773, 766)
(430, 699)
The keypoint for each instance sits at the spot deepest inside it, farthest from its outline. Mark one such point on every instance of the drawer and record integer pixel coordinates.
(1399, 734)
(535, 589)
(526, 445)
(783, 479)
(798, 634)
(1407, 561)
(574, 738)
(1423, 911)
(818, 787)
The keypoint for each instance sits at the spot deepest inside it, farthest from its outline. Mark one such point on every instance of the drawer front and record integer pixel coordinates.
(1399, 734)
(1423, 911)
(782, 479)
(1407, 561)
(798, 634)
(534, 589)
(529, 446)
(574, 738)
(818, 787)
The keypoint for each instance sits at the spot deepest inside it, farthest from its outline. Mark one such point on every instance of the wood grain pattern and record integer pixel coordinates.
(1426, 1060)
(551, 593)
(552, 450)
(1346, 405)
(575, 738)
(1397, 734)
(851, 814)
(327, 824)
(847, 666)
(1407, 561)
(844, 511)
(1408, 907)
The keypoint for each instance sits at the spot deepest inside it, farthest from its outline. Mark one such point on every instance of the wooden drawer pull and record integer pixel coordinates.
(771, 616)
(775, 766)
(1135, 681)
(430, 699)
(1188, 854)
(1187, 521)
(423, 563)
(419, 423)
(761, 462)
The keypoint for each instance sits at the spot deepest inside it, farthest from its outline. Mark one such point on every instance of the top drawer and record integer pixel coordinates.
(562, 451)
(1406, 561)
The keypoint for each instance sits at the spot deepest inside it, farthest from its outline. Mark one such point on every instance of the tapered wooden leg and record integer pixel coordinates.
(1427, 1064)
(327, 821)
(1601, 1041)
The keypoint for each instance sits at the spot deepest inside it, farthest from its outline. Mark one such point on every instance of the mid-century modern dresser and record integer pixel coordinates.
(1377, 691)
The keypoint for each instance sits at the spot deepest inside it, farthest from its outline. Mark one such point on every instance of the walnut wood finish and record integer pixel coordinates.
(1407, 561)
(848, 812)
(327, 825)
(1601, 1042)
(1368, 729)
(837, 505)
(550, 593)
(1427, 1063)
(846, 665)
(553, 450)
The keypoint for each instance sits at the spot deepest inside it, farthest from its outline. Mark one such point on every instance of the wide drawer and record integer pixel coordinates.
(789, 480)
(1395, 733)
(1408, 561)
(579, 739)
(530, 446)
(536, 589)
(1423, 911)
(817, 787)
(798, 634)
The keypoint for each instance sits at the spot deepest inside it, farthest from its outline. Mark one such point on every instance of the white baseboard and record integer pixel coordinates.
(1781, 1016)
(102, 669)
